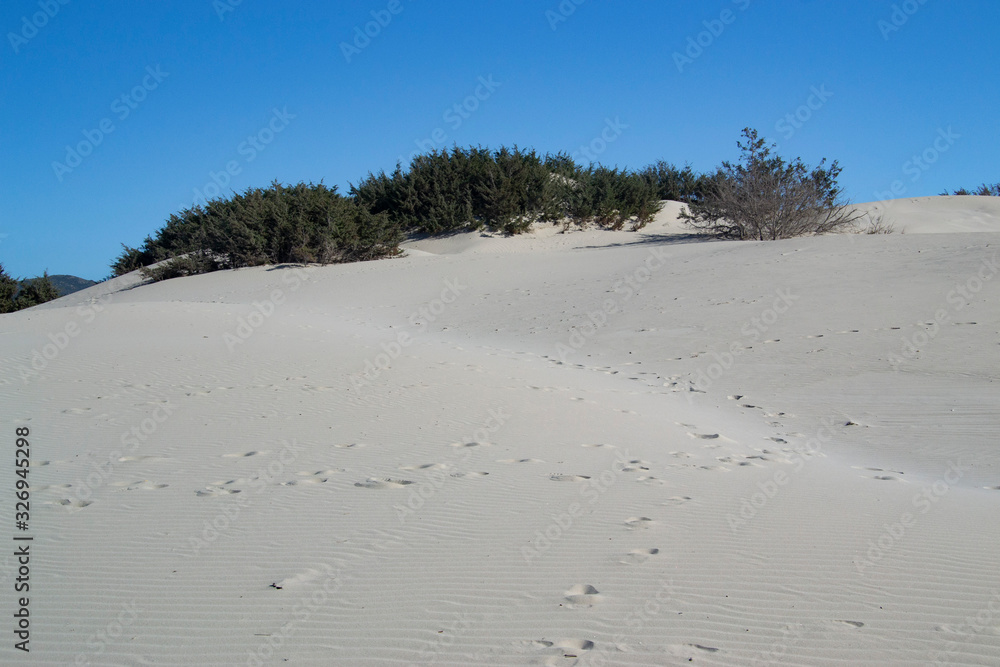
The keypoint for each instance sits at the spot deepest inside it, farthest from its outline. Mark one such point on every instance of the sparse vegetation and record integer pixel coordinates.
(764, 197)
(983, 190)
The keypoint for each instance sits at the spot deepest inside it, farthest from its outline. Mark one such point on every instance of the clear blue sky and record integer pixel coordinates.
(209, 78)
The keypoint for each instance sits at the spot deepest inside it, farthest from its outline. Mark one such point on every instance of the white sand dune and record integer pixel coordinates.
(587, 448)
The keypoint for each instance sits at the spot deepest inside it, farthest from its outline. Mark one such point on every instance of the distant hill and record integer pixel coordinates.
(69, 284)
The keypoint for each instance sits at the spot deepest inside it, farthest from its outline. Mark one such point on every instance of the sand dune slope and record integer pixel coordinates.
(595, 448)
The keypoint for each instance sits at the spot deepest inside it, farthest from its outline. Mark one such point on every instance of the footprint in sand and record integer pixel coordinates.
(350, 445)
(853, 624)
(677, 500)
(130, 459)
(520, 461)
(470, 444)
(215, 491)
(636, 522)
(704, 436)
(637, 556)
(652, 480)
(425, 466)
(567, 651)
(886, 478)
(318, 477)
(142, 484)
(46, 487)
(73, 504)
(568, 478)
(241, 456)
(469, 474)
(594, 446)
(582, 595)
(685, 650)
(384, 483)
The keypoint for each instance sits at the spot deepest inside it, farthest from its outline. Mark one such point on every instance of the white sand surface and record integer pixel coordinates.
(761, 453)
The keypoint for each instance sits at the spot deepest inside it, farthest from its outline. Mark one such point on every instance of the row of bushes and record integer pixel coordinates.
(445, 191)
(506, 191)
(20, 294)
(300, 223)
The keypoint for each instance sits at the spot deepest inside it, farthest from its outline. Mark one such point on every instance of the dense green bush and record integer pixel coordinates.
(505, 191)
(299, 223)
(20, 294)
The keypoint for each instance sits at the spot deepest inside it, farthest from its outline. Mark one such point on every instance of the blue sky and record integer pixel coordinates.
(116, 114)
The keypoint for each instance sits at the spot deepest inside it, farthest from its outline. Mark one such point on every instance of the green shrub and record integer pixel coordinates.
(274, 225)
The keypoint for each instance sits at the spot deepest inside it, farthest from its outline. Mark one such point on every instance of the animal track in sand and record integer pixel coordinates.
(637, 556)
(241, 456)
(350, 445)
(425, 466)
(582, 595)
(46, 487)
(635, 522)
(555, 477)
(593, 446)
(470, 444)
(384, 483)
(143, 484)
(216, 491)
(76, 411)
(74, 504)
(520, 461)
